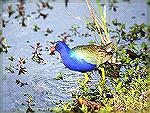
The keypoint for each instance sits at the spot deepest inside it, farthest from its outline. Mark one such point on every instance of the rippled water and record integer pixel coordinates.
(45, 90)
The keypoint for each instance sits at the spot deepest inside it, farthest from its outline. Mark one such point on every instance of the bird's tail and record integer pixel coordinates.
(110, 47)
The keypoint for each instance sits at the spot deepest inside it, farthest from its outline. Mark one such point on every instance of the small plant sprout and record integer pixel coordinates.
(48, 31)
(11, 58)
(64, 36)
(3, 45)
(29, 104)
(10, 10)
(20, 65)
(21, 83)
(36, 54)
(23, 22)
(59, 76)
(36, 27)
(42, 15)
(45, 4)
(74, 30)
(10, 68)
(21, 9)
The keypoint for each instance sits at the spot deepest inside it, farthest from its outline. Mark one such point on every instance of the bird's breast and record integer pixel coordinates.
(75, 63)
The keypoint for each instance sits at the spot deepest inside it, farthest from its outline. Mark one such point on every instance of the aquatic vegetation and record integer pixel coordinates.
(121, 84)
(10, 68)
(43, 15)
(3, 45)
(59, 76)
(127, 89)
(20, 66)
(44, 5)
(64, 36)
(10, 10)
(11, 58)
(21, 83)
(36, 28)
(48, 31)
(74, 31)
(4, 22)
(36, 54)
(29, 103)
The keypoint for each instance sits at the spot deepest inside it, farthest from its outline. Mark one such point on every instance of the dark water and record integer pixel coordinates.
(45, 90)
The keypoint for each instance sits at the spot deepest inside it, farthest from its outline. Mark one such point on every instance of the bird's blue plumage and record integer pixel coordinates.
(71, 60)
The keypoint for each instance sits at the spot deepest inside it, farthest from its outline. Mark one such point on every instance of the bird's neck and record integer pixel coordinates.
(65, 52)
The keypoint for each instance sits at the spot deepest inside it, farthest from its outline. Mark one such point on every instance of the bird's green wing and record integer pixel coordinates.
(86, 53)
(90, 53)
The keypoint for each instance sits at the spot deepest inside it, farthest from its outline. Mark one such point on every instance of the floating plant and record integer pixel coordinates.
(36, 27)
(10, 11)
(3, 45)
(36, 54)
(20, 65)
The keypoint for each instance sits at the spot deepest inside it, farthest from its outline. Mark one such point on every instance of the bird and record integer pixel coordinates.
(82, 58)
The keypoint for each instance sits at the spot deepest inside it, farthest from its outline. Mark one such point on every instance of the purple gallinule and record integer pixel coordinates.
(83, 58)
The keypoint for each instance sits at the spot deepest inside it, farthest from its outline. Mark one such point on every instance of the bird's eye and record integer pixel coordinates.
(57, 46)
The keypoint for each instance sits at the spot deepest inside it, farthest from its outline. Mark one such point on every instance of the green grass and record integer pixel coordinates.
(128, 90)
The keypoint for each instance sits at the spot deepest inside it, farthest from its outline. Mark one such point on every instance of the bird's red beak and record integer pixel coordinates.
(52, 50)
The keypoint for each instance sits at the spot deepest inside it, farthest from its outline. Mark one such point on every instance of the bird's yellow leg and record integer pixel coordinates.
(103, 75)
(86, 78)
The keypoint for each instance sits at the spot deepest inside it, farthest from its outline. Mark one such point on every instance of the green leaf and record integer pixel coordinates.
(119, 86)
(75, 27)
(115, 23)
(142, 32)
(126, 77)
(92, 42)
(130, 71)
(59, 76)
(142, 25)
(144, 46)
(148, 2)
(128, 60)
(0, 32)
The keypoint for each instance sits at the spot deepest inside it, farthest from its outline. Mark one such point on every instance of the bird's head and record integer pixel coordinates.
(58, 46)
